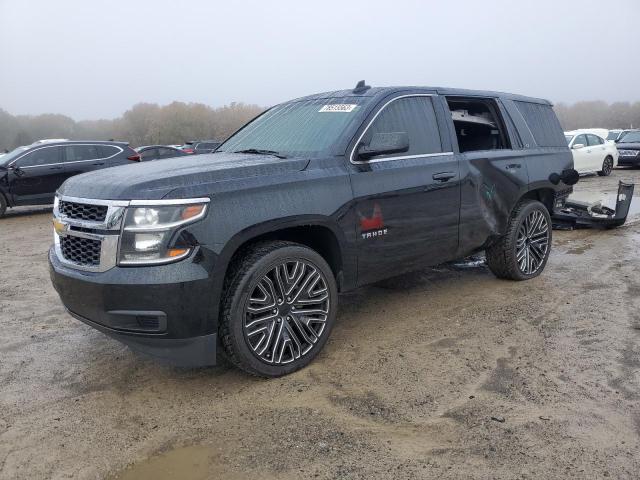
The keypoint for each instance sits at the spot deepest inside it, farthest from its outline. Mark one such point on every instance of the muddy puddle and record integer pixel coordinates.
(195, 462)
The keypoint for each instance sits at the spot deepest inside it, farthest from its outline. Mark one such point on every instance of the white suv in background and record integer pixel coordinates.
(591, 152)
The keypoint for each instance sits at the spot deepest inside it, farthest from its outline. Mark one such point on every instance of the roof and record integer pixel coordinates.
(384, 91)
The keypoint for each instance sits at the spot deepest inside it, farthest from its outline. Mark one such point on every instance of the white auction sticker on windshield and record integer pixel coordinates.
(338, 107)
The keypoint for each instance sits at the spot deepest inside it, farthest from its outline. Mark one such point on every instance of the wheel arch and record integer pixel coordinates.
(543, 195)
(318, 233)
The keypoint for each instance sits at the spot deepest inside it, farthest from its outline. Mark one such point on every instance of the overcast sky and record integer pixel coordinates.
(94, 59)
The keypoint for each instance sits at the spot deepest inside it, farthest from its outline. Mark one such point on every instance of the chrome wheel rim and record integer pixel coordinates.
(608, 166)
(286, 312)
(532, 243)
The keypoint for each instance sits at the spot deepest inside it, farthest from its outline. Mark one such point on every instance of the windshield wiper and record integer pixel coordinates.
(258, 151)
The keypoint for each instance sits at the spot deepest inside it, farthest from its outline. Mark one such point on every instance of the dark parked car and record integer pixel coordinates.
(629, 148)
(201, 146)
(247, 248)
(158, 152)
(31, 175)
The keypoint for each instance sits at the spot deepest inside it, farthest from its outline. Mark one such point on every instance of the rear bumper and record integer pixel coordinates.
(162, 311)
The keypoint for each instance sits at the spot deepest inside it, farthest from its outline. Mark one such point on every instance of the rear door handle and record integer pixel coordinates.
(443, 177)
(513, 165)
(99, 163)
(55, 168)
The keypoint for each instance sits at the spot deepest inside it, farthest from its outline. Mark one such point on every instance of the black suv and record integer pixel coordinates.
(247, 248)
(628, 145)
(31, 175)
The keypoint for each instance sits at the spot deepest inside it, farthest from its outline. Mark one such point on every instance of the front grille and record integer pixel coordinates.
(83, 211)
(81, 251)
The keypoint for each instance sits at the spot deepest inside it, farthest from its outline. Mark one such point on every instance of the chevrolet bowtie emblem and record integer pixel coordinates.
(59, 227)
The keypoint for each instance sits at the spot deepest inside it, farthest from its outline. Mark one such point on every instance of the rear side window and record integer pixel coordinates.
(543, 123)
(76, 153)
(41, 156)
(416, 117)
(167, 153)
(149, 154)
(594, 140)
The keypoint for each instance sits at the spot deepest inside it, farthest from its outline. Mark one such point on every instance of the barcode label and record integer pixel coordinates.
(338, 107)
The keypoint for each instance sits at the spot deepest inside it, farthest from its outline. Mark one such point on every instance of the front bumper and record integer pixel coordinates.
(163, 311)
(628, 160)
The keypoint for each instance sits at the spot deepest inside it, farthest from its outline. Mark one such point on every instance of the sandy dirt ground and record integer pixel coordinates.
(445, 373)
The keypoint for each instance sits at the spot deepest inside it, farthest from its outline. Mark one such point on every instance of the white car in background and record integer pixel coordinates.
(591, 152)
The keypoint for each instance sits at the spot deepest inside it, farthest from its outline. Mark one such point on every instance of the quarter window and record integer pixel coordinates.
(543, 123)
(41, 156)
(107, 151)
(416, 117)
(76, 153)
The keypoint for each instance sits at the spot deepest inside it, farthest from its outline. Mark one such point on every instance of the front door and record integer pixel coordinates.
(36, 176)
(407, 205)
(581, 155)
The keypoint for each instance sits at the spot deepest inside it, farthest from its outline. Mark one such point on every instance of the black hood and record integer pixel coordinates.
(155, 180)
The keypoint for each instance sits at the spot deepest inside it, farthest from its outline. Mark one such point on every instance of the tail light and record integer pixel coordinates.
(188, 150)
(134, 158)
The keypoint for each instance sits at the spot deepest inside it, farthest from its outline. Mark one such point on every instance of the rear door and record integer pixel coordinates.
(81, 158)
(597, 151)
(407, 205)
(37, 176)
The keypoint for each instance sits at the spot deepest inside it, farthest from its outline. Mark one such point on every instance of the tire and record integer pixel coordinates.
(528, 236)
(264, 331)
(3, 205)
(607, 167)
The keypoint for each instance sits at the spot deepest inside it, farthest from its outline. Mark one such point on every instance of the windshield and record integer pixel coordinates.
(613, 135)
(568, 138)
(308, 127)
(630, 137)
(9, 157)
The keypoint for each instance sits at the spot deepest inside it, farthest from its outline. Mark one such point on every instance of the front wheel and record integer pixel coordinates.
(607, 167)
(523, 251)
(279, 307)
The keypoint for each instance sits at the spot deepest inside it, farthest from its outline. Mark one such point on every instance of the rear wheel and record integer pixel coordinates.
(279, 307)
(523, 251)
(607, 167)
(3, 205)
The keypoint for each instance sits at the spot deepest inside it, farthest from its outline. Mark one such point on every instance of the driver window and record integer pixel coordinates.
(41, 156)
(416, 117)
(581, 139)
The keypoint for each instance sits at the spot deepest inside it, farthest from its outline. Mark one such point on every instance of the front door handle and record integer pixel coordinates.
(55, 168)
(511, 166)
(443, 177)
(99, 163)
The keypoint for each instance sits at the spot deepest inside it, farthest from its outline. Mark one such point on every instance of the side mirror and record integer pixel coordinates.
(384, 144)
(576, 146)
(16, 170)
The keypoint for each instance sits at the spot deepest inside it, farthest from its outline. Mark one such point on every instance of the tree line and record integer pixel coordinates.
(598, 114)
(176, 123)
(143, 124)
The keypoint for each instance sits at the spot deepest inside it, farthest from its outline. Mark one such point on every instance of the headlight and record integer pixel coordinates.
(149, 231)
(628, 153)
